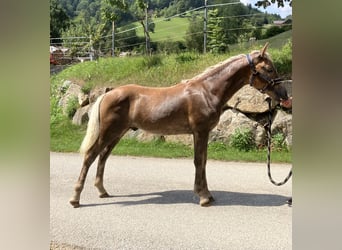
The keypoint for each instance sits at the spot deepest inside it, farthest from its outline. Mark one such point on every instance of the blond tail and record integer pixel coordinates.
(93, 127)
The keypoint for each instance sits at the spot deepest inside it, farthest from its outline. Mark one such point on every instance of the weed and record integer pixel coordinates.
(186, 57)
(242, 139)
(72, 106)
(152, 61)
(86, 88)
(278, 142)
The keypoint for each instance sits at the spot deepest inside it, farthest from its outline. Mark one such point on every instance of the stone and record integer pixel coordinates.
(82, 115)
(282, 123)
(83, 99)
(72, 92)
(249, 100)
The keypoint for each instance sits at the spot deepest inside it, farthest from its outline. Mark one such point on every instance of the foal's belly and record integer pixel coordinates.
(173, 123)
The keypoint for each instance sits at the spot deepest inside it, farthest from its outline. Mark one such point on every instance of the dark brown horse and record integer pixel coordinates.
(192, 107)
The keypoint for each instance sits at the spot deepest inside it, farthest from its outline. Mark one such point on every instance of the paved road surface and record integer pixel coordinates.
(153, 206)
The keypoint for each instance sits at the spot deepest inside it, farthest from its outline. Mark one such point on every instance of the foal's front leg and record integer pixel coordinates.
(201, 186)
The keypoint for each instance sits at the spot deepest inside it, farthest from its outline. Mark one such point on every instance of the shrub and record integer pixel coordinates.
(278, 141)
(283, 59)
(186, 57)
(86, 88)
(72, 106)
(242, 139)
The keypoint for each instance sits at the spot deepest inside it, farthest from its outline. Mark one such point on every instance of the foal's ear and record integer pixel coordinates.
(263, 50)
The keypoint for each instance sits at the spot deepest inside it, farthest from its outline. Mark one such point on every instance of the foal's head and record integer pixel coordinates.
(264, 76)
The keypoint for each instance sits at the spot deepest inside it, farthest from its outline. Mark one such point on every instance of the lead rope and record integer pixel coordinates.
(268, 130)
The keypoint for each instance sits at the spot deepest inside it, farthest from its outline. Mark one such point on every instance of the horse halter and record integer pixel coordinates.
(270, 82)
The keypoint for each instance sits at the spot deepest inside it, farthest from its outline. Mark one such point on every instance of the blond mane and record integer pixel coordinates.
(212, 70)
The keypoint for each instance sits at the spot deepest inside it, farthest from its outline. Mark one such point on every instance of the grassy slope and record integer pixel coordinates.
(119, 71)
(173, 29)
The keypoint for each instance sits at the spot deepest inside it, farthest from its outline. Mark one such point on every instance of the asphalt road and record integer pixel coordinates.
(152, 206)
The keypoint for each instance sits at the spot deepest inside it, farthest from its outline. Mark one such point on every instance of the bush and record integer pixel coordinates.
(186, 57)
(72, 107)
(86, 88)
(278, 142)
(243, 140)
(283, 59)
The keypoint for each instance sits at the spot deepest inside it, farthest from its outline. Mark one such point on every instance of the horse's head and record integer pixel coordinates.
(264, 76)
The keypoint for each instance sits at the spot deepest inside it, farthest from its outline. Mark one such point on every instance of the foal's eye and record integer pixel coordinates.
(268, 69)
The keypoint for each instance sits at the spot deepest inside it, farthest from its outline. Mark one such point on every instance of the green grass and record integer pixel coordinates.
(172, 30)
(171, 69)
(276, 42)
(65, 137)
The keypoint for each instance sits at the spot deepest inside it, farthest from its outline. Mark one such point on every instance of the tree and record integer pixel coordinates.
(266, 3)
(217, 41)
(59, 20)
(194, 34)
(139, 8)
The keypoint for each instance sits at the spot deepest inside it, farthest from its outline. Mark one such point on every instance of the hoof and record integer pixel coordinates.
(205, 202)
(104, 195)
(75, 204)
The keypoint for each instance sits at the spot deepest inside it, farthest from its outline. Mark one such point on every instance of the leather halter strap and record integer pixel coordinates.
(270, 82)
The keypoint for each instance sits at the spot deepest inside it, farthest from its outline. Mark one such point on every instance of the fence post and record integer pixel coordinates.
(146, 32)
(113, 36)
(205, 27)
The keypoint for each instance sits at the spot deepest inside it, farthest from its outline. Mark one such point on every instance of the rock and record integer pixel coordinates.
(141, 135)
(72, 92)
(282, 123)
(96, 92)
(232, 120)
(83, 99)
(82, 115)
(249, 100)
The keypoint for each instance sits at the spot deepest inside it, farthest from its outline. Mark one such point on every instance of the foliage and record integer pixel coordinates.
(194, 34)
(86, 88)
(283, 59)
(152, 61)
(170, 46)
(275, 30)
(123, 40)
(266, 3)
(72, 106)
(217, 41)
(186, 57)
(278, 141)
(242, 139)
(93, 19)
(59, 20)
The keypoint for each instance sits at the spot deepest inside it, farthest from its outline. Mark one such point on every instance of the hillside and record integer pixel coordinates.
(227, 24)
(166, 70)
(173, 29)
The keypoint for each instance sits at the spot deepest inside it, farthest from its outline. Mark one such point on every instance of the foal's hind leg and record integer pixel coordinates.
(100, 169)
(89, 158)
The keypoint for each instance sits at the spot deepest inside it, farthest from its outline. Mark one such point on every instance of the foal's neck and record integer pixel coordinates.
(228, 78)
